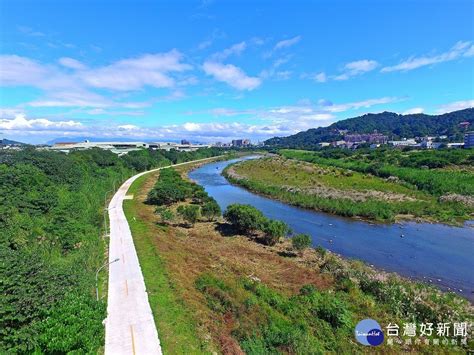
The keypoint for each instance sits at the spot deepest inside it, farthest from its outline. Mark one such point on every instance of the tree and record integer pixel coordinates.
(300, 242)
(166, 215)
(164, 194)
(190, 213)
(211, 209)
(274, 230)
(245, 217)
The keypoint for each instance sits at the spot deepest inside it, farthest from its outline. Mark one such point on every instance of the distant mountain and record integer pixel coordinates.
(391, 124)
(10, 142)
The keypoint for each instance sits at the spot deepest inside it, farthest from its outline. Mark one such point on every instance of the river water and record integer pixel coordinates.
(433, 253)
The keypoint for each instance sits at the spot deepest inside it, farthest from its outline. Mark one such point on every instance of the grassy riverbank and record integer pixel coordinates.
(342, 191)
(212, 289)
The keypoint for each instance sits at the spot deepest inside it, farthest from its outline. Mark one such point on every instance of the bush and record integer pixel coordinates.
(301, 242)
(245, 217)
(274, 230)
(166, 215)
(74, 324)
(321, 251)
(211, 209)
(190, 213)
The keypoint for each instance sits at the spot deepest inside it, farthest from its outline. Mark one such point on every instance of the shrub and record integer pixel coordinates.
(165, 194)
(245, 217)
(211, 209)
(190, 213)
(301, 241)
(166, 215)
(274, 230)
(321, 251)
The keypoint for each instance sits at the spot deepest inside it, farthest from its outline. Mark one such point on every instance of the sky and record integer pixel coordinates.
(214, 70)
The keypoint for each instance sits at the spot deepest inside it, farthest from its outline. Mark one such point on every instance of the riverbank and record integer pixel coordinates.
(343, 192)
(214, 290)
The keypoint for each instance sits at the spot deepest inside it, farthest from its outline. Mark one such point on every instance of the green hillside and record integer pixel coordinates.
(391, 124)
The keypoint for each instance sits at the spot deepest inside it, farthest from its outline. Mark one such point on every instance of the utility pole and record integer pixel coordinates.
(97, 277)
(106, 209)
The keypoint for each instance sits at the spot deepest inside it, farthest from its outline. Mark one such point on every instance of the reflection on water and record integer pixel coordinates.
(431, 252)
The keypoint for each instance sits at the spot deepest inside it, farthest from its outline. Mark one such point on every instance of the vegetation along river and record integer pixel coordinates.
(433, 253)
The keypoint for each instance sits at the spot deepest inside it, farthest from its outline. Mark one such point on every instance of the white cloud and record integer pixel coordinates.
(10, 112)
(231, 75)
(361, 66)
(461, 48)
(357, 67)
(348, 71)
(127, 74)
(30, 32)
(71, 63)
(236, 49)
(20, 122)
(16, 70)
(272, 72)
(134, 74)
(320, 77)
(204, 44)
(65, 88)
(287, 43)
(455, 106)
(413, 111)
(82, 98)
(128, 127)
(330, 107)
(469, 52)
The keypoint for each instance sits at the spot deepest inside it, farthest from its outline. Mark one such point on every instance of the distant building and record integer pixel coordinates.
(324, 144)
(185, 142)
(464, 125)
(403, 143)
(455, 145)
(239, 143)
(119, 148)
(469, 140)
(338, 143)
(366, 138)
(122, 148)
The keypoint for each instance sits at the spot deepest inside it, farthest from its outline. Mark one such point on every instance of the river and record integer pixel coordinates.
(433, 253)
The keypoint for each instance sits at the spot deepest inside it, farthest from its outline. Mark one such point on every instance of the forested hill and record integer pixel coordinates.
(388, 123)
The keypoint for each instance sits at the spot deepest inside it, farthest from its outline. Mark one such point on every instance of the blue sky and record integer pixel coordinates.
(217, 70)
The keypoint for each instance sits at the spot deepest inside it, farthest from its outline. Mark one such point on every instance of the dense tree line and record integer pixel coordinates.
(391, 124)
(171, 188)
(51, 213)
(251, 221)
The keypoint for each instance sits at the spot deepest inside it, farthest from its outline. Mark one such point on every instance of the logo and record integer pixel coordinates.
(368, 332)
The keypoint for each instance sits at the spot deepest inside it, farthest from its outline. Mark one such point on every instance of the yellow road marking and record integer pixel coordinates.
(133, 339)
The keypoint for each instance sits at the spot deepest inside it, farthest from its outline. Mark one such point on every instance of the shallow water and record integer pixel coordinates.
(434, 253)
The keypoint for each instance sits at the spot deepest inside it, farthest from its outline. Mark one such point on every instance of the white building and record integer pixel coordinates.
(121, 148)
(403, 143)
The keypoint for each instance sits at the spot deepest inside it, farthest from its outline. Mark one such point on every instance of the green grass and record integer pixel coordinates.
(176, 325)
(417, 168)
(342, 191)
